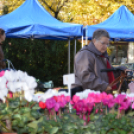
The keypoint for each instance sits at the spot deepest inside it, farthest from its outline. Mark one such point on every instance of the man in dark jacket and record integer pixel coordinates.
(90, 60)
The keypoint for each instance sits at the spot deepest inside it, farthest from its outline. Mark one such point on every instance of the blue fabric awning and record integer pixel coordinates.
(31, 20)
(120, 25)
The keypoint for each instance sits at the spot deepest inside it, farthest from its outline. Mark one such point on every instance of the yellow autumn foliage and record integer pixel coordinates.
(87, 12)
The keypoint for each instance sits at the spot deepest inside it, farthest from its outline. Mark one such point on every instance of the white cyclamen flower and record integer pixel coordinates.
(11, 87)
(46, 95)
(9, 75)
(31, 82)
(3, 93)
(29, 95)
(63, 93)
(80, 94)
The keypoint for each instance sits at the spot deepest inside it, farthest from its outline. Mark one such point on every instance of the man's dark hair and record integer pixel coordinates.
(100, 33)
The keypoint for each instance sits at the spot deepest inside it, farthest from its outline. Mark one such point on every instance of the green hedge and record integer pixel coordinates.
(44, 59)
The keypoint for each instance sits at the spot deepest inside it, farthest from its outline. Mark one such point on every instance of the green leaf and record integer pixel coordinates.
(15, 123)
(16, 110)
(5, 117)
(2, 106)
(28, 116)
(14, 104)
(25, 110)
(53, 130)
(131, 113)
(33, 124)
(36, 107)
(35, 114)
(122, 132)
(40, 130)
(103, 131)
(16, 116)
(21, 124)
(132, 130)
(24, 119)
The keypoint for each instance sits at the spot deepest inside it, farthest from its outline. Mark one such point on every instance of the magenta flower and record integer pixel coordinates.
(125, 105)
(78, 106)
(90, 107)
(133, 105)
(110, 96)
(75, 99)
(108, 102)
(90, 99)
(91, 95)
(62, 104)
(120, 98)
(130, 99)
(105, 102)
(97, 98)
(60, 98)
(111, 103)
(67, 98)
(103, 95)
(57, 107)
(84, 110)
(2, 73)
(50, 103)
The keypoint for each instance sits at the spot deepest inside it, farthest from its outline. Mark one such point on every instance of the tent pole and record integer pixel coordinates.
(86, 35)
(74, 50)
(82, 41)
(75, 47)
(68, 55)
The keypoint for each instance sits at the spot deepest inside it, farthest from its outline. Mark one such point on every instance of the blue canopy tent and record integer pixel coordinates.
(120, 25)
(31, 20)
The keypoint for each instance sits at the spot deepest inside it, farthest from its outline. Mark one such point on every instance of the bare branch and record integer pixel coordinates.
(50, 7)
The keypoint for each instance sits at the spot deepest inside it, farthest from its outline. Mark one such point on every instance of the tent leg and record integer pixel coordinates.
(69, 56)
(82, 41)
(74, 50)
(86, 36)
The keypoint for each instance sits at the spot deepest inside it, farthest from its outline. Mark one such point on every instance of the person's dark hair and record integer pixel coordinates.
(100, 33)
(2, 31)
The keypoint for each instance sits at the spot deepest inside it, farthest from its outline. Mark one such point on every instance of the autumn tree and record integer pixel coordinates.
(85, 12)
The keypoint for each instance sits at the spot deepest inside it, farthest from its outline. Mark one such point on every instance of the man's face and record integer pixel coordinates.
(2, 38)
(101, 44)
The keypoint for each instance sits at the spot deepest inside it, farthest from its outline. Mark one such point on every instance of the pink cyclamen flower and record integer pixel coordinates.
(78, 106)
(120, 98)
(110, 96)
(90, 107)
(97, 98)
(90, 99)
(133, 105)
(105, 102)
(62, 101)
(125, 105)
(2, 73)
(103, 95)
(75, 99)
(67, 98)
(10, 94)
(57, 107)
(130, 99)
(111, 103)
(50, 103)
(96, 111)
(108, 102)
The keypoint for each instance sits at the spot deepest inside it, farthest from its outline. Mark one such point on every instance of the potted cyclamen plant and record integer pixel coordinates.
(20, 110)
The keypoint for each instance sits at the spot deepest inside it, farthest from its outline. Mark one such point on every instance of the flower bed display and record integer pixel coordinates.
(92, 112)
